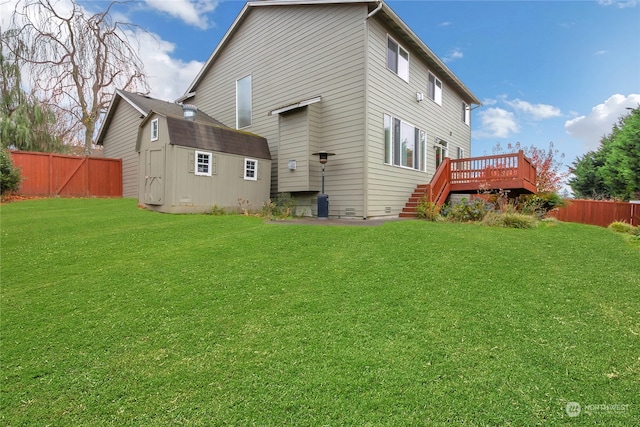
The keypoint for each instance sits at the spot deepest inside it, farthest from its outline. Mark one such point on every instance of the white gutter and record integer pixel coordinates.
(376, 10)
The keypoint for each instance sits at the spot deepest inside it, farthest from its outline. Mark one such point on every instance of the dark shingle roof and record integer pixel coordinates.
(208, 136)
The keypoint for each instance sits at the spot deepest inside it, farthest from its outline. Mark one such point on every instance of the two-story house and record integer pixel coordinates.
(347, 77)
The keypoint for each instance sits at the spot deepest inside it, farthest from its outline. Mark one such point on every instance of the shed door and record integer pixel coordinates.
(154, 177)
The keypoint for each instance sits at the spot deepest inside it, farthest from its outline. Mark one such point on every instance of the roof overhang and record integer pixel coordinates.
(295, 105)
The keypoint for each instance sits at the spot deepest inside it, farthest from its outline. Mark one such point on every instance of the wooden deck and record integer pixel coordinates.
(513, 172)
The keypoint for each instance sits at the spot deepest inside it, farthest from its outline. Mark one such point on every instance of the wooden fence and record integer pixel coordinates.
(48, 174)
(597, 212)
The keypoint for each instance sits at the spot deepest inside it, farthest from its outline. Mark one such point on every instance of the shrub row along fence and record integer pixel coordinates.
(598, 212)
(48, 174)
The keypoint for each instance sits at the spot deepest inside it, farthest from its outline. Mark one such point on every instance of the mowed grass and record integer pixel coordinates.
(112, 315)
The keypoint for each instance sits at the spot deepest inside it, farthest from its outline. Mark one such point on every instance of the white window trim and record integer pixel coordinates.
(423, 159)
(155, 129)
(251, 102)
(210, 156)
(467, 114)
(397, 73)
(255, 170)
(437, 90)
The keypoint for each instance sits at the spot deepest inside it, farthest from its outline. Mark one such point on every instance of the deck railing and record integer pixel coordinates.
(492, 169)
(503, 171)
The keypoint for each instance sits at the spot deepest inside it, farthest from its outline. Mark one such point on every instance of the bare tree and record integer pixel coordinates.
(76, 60)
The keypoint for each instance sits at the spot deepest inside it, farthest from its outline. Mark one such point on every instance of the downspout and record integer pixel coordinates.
(376, 10)
(365, 192)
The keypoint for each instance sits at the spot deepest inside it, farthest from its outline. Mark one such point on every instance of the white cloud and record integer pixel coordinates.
(599, 122)
(600, 52)
(453, 55)
(536, 111)
(496, 123)
(445, 24)
(168, 77)
(192, 12)
(620, 4)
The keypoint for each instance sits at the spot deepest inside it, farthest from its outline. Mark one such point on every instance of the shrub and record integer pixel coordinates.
(217, 211)
(509, 220)
(466, 210)
(623, 227)
(10, 178)
(539, 204)
(284, 206)
(427, 210)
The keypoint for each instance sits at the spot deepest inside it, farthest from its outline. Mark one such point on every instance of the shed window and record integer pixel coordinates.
(203, 163)
(251, 169)
(154, 129)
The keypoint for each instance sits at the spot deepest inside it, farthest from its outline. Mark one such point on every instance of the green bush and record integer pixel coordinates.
(10, 177)
(427, 210)
(283, 206)
(539, 204)
(623, 227)
(466, 210)
(509, 220)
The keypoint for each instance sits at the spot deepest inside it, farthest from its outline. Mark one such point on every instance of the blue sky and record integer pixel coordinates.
(560, 71)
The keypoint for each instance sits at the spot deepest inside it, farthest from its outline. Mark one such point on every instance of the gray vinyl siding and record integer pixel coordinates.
(295, 53)
(390, 186)
(186, 192)
(120, 143)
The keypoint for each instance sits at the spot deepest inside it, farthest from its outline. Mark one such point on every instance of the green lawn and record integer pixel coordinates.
(112, 315)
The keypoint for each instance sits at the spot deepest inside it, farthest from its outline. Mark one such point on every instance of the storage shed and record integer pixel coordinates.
(188, 166)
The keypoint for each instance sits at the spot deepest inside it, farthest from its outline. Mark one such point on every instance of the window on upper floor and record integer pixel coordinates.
(203, 163)
(397, 59)
(251, 169)
(154, 129)
(466, 113)
(434, 90)
(243, 102)
(404, 144)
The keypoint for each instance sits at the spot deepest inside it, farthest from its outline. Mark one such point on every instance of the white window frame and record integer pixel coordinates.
(434, 88)
(242, 97)
(466, 113)
(209, 163)
(247, 163)
(401, 68)
(393, 154)
(155, 129)
(461, 153)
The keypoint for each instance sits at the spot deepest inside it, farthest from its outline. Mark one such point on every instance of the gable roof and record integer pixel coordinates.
(377, 8)
(144, 104)
(210, 136)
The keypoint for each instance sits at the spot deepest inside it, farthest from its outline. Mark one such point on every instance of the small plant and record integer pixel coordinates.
(427, 210)
(245, 206)
(284, 206)
(509, 220)
(539, 204)
(624, 227)
(10, 177)
(217, 211)
(466, 210)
